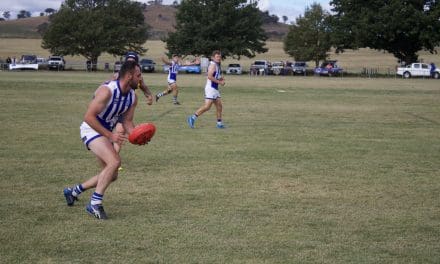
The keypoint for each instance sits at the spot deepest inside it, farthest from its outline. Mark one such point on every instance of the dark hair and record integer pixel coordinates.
(215, 52)
(127, 67)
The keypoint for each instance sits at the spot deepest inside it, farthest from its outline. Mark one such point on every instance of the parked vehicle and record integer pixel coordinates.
(260, 67)
(147, 65)
(277, 68)
(188, 69)
(417, 70)
(299, 68)
(234, 68)
(28, 59)
(328, 68)
(56, 63)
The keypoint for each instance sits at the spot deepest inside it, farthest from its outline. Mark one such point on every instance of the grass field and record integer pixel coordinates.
(310, 170)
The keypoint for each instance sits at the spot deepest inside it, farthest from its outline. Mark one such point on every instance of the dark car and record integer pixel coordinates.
(328, 68)
(28, 59)
(147, 65)
(299, 67)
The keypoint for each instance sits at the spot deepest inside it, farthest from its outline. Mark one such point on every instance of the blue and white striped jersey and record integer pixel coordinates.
(118, 104)
(172, 72)
(217, 75)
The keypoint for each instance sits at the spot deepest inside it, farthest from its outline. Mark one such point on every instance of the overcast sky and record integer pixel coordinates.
(289, 8)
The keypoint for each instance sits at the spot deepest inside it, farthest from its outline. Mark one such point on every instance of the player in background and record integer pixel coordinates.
(132, 56)
(110, 101)
(212, 92)
(174, 65)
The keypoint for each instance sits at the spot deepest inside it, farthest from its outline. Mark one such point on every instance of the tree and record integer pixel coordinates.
(309, 38)
(49, 11)
(285, 18)
(401, 27)
(91, 27)
(7, 15)
(23, 14)
(232, 26)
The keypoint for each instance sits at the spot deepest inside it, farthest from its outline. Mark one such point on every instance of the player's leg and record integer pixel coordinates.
(120, 130)
(105, 152)
(205, 107)
(175, 92)
(166, 91)
(219, 109)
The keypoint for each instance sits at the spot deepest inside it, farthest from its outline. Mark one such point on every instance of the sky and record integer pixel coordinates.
(289, 8)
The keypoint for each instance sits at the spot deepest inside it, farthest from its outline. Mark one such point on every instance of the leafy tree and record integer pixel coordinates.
(91, 27)
(309, 38)
(49, 11)
(232, 26)
(401, 27)
(23, 14)
(285, 18)
(7, 14)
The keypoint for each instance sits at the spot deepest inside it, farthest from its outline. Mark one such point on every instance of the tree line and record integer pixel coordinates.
(400, 27)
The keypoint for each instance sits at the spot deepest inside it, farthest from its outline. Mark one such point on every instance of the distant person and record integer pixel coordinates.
(212, 92)
(432, 71)
(8, 60)
(173, 69)
(109, 102)
(14, 60)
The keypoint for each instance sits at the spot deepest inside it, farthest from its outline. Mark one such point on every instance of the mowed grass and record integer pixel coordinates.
(310, 170)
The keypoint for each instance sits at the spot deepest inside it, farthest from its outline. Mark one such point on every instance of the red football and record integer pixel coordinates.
(142, 134)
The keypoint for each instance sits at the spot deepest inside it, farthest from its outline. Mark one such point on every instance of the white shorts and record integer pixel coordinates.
(171, 81)
(211, 93)
(88, 134)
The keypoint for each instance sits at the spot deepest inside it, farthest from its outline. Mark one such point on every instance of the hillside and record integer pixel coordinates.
(161, 18)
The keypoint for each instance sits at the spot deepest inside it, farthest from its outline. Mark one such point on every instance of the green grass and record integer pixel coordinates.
(310, 170)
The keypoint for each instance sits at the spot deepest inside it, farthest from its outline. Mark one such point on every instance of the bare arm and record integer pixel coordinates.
(128, 117)
(166, 61)
(146, 92)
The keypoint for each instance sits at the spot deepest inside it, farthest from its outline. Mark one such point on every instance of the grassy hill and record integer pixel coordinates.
(161, 18)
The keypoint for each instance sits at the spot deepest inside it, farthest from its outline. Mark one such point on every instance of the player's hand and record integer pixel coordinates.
(118, 138)
(222, 82)
(149, 99)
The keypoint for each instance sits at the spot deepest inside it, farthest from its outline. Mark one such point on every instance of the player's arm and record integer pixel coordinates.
(211, 73)
(99, 102)
(146, 92)
(166, 61)
(128, 117)
(195, 62)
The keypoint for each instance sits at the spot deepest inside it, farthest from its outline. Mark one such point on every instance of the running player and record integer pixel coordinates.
(174, 65)
(212, 92)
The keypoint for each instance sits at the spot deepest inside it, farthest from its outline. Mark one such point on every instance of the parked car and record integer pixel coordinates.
(28, 59)
(260, 67)
(56, 63)
(234, 68)
(188, 69)
(147, 65)
(328, 68)
(417, 70)
(277, 68)
(300, 68)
